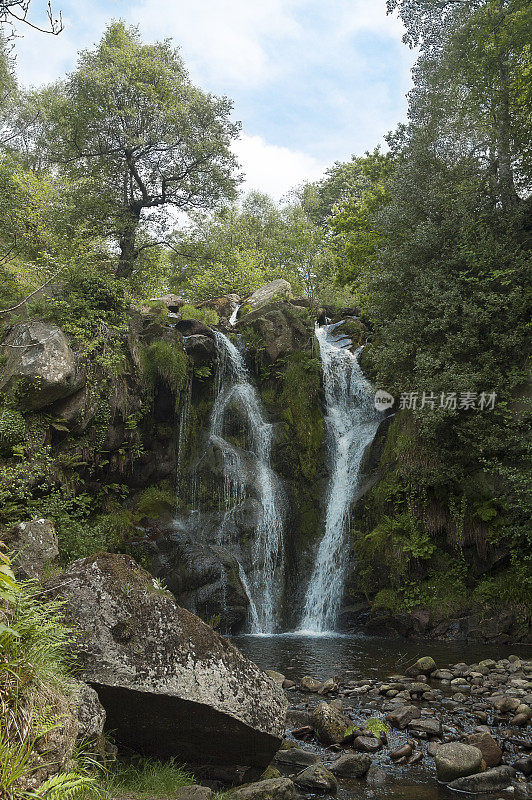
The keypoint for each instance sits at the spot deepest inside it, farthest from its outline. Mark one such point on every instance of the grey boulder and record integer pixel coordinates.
(171, 686)
(457, 760)
(275, 290)
(493, 780)
(270, 789)
(34, 547)
(351, 765)
(317, 778)
(41, 367)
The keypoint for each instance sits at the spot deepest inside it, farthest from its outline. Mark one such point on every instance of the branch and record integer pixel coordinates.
(21, 303)
(165, 243)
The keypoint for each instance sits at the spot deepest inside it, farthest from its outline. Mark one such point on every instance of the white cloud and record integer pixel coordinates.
(224, 40)
(272, 169)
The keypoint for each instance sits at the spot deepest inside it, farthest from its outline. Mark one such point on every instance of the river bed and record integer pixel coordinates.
(355, 657)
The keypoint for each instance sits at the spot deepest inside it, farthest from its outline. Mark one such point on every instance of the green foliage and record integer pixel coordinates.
(146, 779)
(165, 361)
(376, 726)
(12, 429)
(397, 540)
(206, 315)
(154, 501)
(34, 685)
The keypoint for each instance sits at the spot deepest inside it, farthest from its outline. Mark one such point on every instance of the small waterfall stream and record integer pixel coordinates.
(234, 391)
(351, 423)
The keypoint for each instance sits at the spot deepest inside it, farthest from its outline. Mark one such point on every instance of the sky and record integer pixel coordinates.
(312, 82)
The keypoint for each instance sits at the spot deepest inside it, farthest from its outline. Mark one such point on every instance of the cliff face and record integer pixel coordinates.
(143, 441)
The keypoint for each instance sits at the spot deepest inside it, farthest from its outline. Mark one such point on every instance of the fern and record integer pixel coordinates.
(69, 786)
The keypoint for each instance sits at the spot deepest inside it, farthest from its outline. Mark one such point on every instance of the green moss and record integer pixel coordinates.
(165, 361)
(155, 501)
(206, 315)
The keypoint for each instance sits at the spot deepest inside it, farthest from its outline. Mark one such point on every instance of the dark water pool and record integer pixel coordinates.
(366, 657)
(359, 656)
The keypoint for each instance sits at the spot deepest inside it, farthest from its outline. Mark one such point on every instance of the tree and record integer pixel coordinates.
(132, 125)
(477, 52)
(16, 11)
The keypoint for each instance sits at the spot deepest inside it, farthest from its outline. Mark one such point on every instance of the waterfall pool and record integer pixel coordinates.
(352, 657)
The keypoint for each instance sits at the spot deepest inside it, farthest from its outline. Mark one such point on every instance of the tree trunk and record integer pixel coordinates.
(126, 242)
(508, 195)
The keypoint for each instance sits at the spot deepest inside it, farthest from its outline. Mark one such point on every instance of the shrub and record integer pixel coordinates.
(165, 361)
(12, 429)
(206, 315)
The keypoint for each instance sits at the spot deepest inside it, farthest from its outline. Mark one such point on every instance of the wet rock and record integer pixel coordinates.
(272, 789)
(430, 726)
(330, 725)
(297, 719)
(317, 779)
(402, 716)
(457, 760)
(277, 677)
(170, 685)
(491, 752)
(351, 765)
(275, 290)
(376, 776)
(425, 665)
(196, 792)
(504, 703)
(328, 686)
(200, 349)
(520, 720)
(492, 780)
(367, 744)
(402, 752)
(41, 367)
(296, 757)
(280, 328)
(524, 765)
(269, 773)
(193, 327)
(34, 547)
(308, 684)
(224, 305)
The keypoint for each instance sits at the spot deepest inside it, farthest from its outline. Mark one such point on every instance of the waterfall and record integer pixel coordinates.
(234, 316)
(234, 390)
(351, 424)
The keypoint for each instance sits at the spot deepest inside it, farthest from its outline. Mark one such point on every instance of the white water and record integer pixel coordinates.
(236, 392)
(351, 423)
(234, 316)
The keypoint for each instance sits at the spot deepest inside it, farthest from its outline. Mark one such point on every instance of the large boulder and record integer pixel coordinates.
(276, 290)
(330, 724)
(171, 686)
(193, 327)
(279, 329)
(317, 779)
(491, 752)
(172, 301)
(224, 306)
(200, 349)
(41, 367)
(34, 547)
(493, 780)
(457, 760)
(270, 789)
(351, 765)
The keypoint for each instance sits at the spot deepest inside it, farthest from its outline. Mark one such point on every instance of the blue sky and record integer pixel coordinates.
(312, 81)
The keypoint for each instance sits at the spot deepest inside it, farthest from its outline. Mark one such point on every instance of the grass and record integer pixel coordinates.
(144, 779)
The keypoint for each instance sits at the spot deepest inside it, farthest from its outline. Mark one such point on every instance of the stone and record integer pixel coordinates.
(504, 703)
(457, 760)
(193, 327)
(172, 301)
(200, 349)
(272, 789)
(171, 686)
(41, 366)
(90, 712)
(330, 725)
(317, 778)
(491, 752)
(525, 709)
(493, 780)
(430, 726)
(520, 720)
(367, 744)
(402, 716)
(297, 719)
(34, 548)
(275, 290)
(296, 757)
(195, 792)
(277, 677)
(351, 765)
(402, 752)
(308, 684)
(425, 665)
(524, 765)
(328, 686)
(224, 305)
(280, 329)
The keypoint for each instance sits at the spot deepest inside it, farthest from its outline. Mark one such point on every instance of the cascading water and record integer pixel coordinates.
(236, 392)
(351, 423)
